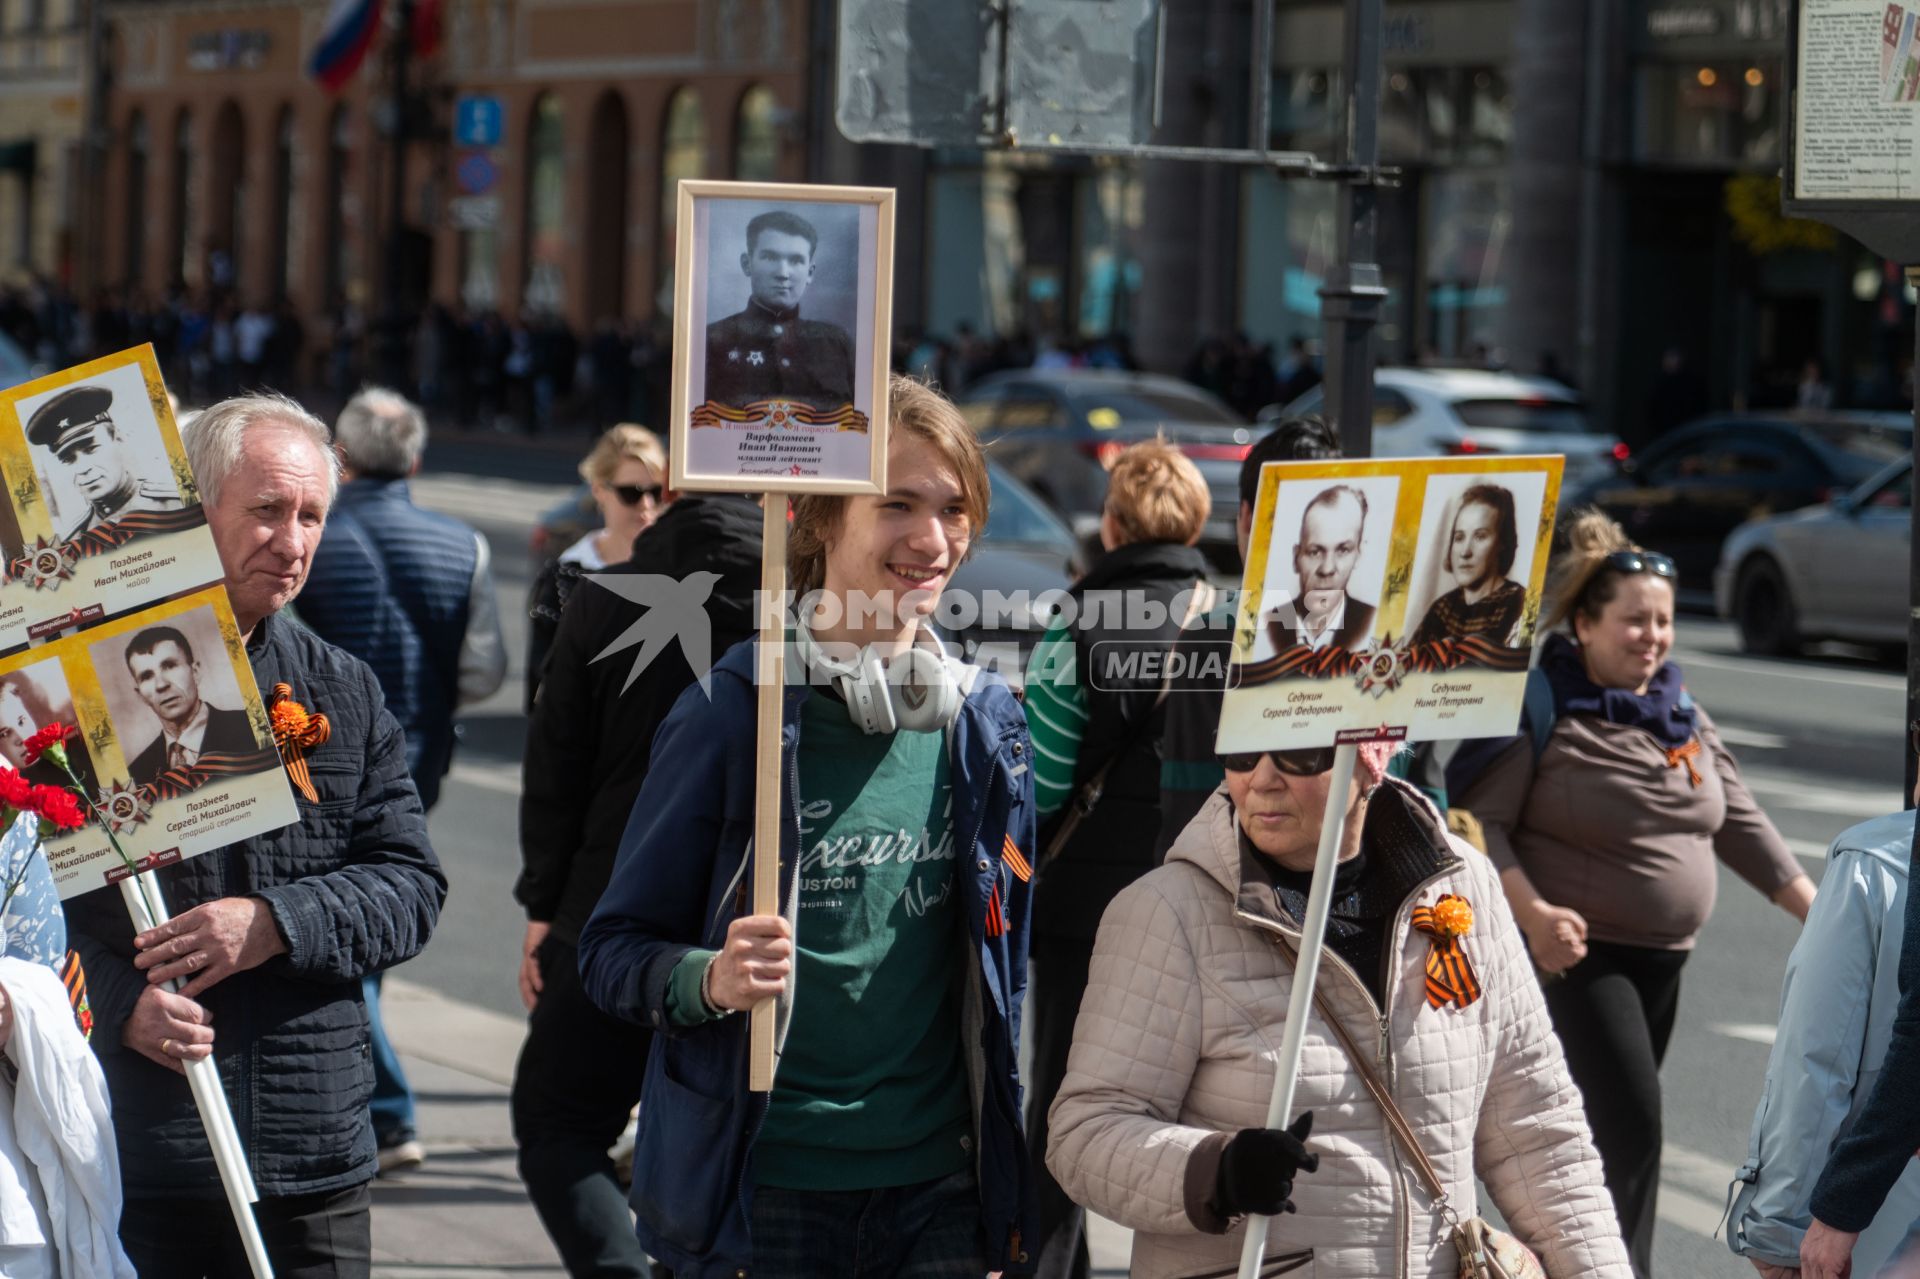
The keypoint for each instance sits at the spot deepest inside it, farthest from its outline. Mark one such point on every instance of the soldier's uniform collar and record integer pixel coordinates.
(766, 312)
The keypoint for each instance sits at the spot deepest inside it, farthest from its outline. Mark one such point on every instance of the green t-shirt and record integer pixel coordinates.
(872, 1088)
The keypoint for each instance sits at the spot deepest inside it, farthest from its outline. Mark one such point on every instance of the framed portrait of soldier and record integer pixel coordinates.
(101, 506)
(783, 299)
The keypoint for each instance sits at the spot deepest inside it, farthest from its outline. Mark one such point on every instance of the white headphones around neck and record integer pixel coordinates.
(917, 691)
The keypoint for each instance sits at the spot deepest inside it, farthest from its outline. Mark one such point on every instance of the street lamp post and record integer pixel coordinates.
(394, 323)
(1352, 294)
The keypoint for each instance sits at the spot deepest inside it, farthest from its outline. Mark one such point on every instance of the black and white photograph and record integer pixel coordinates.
(31, 698)
(98, 452)
(1476, 551)
(171, 693)
(782, 302)
(1326, 565)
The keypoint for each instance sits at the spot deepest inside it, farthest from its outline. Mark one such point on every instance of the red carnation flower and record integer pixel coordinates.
(54, 734)
(15, 791)
(57, 806)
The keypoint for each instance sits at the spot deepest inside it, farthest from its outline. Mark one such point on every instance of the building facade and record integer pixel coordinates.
(229, 168)
(43, 49)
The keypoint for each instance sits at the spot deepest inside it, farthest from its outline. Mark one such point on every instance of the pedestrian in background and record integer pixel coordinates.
(626, 474)
(272, 935)
(1096, 726)
(890, 1144)
(589, 747)
(410, 593)
(1837, 1009)
(1606, 836)
(1410, 1086)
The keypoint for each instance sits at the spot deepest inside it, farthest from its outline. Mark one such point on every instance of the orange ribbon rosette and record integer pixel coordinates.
(296, 730)
(1450, 977)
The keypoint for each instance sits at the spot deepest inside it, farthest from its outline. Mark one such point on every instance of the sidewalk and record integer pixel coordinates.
(465, 1214)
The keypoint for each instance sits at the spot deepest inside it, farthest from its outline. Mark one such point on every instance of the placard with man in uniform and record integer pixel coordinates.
(80, 449)
(768, 350)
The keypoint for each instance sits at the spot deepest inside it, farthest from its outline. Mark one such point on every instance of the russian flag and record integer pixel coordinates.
(344, 41)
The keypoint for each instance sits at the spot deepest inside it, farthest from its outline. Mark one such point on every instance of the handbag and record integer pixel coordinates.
(1081, 806)
(1485, 1253)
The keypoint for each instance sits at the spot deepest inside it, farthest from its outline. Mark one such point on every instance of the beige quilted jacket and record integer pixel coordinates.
(1174, 1052)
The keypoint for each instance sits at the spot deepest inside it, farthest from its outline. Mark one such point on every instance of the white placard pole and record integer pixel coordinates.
(1306, 970)
(149, 910)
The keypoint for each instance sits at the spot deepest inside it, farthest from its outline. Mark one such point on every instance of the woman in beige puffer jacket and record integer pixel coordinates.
(1174, 1053)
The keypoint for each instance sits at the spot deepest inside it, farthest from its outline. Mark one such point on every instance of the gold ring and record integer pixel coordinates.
(166, 1046)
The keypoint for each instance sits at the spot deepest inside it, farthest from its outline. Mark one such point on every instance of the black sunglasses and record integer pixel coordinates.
(1641, 562)
(630, 494)
(1310, 762)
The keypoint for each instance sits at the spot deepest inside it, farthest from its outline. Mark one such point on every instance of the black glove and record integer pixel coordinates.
(1258, 1166)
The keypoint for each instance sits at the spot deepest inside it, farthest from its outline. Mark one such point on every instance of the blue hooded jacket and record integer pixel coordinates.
(682, 876)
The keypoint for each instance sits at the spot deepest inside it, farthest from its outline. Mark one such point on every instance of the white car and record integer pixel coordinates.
(1833, 571)
(1463, 412)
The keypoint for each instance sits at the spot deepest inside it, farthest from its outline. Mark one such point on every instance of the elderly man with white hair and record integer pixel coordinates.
(273, 934)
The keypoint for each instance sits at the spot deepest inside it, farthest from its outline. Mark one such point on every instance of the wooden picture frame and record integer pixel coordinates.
(773, 393)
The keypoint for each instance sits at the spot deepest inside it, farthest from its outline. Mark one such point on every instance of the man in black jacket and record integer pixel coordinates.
(273, 933)
(589, 743)
(1095, 705)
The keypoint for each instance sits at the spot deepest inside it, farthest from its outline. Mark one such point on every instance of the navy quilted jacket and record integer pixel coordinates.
(391, 584)
(354, 888)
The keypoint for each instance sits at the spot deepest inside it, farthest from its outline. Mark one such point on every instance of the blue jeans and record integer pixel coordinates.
(929, 1230)
(392, 1103)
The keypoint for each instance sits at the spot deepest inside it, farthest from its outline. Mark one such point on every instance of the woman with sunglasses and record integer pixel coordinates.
(1160, 1124)
(1606, 838)
(627, 474)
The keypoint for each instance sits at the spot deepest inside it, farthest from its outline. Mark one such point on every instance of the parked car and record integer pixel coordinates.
(1462, 412)
(1025, 552)
(1058, 430)
(1834, 571)
(1692, 488)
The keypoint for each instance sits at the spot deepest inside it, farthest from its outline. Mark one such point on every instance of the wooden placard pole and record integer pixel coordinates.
(770, 678)
(1313, 940)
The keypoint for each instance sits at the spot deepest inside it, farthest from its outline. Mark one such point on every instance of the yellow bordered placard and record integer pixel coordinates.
(174, 743)
(101, 513)
(1389, 597)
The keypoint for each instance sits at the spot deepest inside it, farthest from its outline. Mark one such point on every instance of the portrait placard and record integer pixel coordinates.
(1393, 599)
(101, 514)
(174, 742)
(783, 299)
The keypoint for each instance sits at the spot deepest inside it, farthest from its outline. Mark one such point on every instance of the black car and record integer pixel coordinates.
(1058, 430)
(1690, 489)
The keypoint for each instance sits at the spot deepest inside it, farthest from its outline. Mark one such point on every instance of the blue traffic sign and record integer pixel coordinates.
(477, 121)
(476, 172)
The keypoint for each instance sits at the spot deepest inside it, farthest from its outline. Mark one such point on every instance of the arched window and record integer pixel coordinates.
(135, 226)
(756, 137)
(683, 155)
(546, 206)
(607, 209)
(181, 263)
(227, 197)
(280, 274)
(340, 264)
